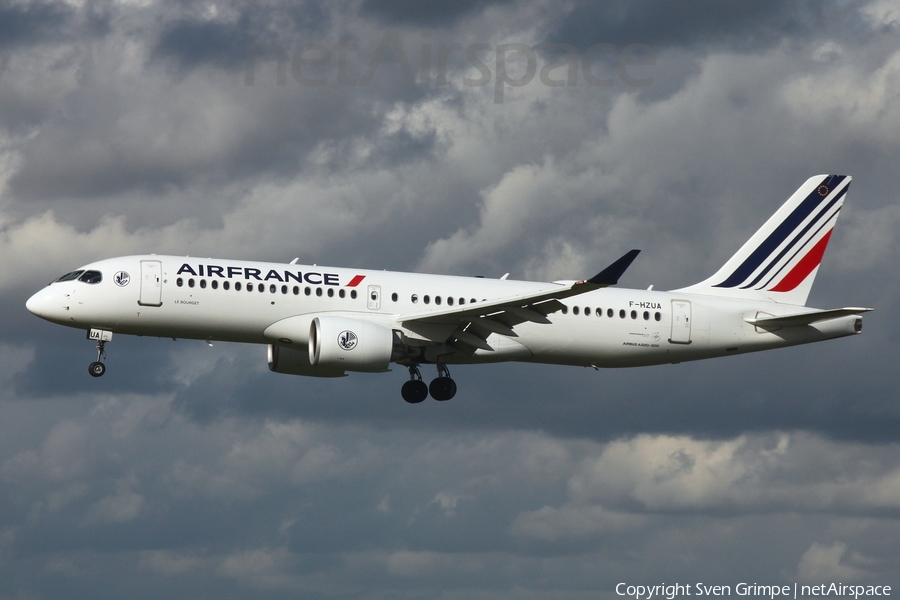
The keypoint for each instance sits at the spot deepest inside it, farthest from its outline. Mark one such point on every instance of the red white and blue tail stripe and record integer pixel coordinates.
(781, 260)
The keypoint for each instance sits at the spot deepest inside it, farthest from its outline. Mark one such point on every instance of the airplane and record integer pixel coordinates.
(327, 321)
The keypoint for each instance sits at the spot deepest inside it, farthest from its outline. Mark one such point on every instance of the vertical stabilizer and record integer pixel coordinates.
(780, 261)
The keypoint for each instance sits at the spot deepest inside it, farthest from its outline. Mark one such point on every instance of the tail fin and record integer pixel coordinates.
(780, 261)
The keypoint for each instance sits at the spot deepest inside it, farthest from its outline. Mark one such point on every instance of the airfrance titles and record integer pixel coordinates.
(284, 276)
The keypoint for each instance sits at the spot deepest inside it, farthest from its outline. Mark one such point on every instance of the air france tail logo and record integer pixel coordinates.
(347, 340)
(122, 278)
(794, 248)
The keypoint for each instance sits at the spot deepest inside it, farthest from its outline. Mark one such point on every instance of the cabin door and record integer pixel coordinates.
(681, 322)
(151, 283)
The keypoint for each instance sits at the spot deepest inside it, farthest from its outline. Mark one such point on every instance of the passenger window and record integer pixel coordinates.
(587, 311)
(203, 284)
(331, 292)
(657, 316)
(574, 310)
(610, 313)
(225, 285)
(437, 299)
(214, 284)
(599, 312)
(307, 291)
(237, 286)
(462, 300)
(414, 298)
(634, 314)
(565, 310)
(450, 301)
(296, 290)
(353, 294)
(318, 291)
(343, 293)
(179, 282)
(646, 316)
(426, 299)
(190, 283)
(284, 289)
(622, 313)
(394, 296)
(91, 277)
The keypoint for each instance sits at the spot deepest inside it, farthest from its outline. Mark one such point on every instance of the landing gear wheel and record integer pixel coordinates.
(442, 388)
(97, 369)
(414, 391)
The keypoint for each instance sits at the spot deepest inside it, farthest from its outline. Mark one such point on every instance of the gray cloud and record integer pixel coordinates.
(32, 22)
(738, 25)
(431, 14)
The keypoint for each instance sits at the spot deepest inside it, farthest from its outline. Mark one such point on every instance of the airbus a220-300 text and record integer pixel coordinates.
(325, 321)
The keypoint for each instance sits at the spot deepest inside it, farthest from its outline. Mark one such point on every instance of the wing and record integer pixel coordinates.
(467, 327)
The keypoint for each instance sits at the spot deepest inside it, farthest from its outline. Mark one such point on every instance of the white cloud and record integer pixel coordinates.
(121, 507)
(822, 563)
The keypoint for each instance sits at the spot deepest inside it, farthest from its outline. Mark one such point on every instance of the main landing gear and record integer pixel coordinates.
(414, 390)
(97, 368)
(442, 387)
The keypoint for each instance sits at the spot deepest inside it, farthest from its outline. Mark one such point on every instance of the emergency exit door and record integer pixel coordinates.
(374, 297)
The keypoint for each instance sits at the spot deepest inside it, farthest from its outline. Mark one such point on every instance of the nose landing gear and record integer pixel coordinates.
(97, 368)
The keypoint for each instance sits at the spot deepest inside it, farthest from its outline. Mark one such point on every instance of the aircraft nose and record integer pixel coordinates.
(35, 304)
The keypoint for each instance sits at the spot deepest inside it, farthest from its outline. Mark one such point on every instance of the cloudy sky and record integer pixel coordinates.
(536, 137)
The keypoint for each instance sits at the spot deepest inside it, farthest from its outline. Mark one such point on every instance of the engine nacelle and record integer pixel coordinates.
(296, 362)
(353, 344)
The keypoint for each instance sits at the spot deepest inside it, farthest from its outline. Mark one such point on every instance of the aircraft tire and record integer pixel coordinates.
(97, 369)
(414, 391)
(442, 389)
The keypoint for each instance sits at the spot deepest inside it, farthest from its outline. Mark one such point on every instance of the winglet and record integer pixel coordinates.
(610, 275)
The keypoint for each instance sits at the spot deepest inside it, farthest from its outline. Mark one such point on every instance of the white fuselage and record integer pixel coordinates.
(609, 327)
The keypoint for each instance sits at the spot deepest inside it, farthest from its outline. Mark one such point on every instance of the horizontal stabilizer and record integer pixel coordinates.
(806, 318)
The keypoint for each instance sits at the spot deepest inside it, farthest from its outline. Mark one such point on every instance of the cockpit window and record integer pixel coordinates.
(91, 277)
(70, 276)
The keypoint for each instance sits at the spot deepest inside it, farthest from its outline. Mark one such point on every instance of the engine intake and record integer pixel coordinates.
(353, 344)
